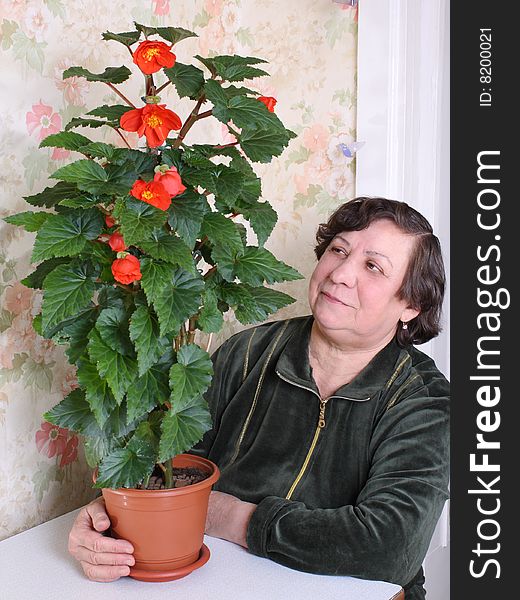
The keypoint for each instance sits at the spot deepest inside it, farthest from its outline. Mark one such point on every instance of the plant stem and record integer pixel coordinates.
(194, 116)
(168, 475)
(122, 96)
(161, 88)
(123, 138)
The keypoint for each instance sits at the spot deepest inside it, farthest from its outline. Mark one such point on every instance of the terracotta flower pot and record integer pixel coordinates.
(166, 527)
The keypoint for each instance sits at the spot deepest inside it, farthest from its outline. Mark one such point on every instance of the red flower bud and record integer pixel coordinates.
(269, 101)
(171, 180)
(126, 269)
(151, 56)
(116, 242)
(109, 221)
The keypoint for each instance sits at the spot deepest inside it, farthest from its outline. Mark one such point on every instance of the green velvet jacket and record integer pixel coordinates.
(354, 489)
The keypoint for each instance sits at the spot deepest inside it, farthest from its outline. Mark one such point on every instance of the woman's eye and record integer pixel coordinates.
(373, 267)
(337, 250)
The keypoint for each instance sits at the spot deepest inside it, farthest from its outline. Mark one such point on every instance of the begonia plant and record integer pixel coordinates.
(141, 250)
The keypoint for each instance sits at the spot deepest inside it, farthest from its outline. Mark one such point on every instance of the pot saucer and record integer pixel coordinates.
(142, 575)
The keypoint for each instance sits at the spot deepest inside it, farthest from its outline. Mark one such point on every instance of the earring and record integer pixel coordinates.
(405, 325)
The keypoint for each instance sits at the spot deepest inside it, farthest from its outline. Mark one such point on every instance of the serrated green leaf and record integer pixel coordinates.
(191, 376)
(67, 290)
(210, 319)
(187, 79)
(112, 325)
(168, 247)
(109, 75)
(73, 413)
(221, 230)
(233, 68)
(257, 265)
(139, 220)
(52, 195)
(144, 332)
(97, 392)
(183, 429)
(263, 303)
(30, 221)
(127, 38)
(87, 174)
(262, 218)
(119, 371)
(170, 34)
(148, 391)
(112, 112)
(186, 213)
(261, 145)
(156, 277)
(250, 112)
(126, 467)
(65, 139)
(229, 185)
(66, 235)
(178, 301)
(76, 333)
(81, 122)
(35, 279)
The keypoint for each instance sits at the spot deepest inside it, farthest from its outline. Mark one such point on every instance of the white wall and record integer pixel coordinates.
(403, 118)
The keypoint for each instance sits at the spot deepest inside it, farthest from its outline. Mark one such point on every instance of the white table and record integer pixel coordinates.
(36, 564)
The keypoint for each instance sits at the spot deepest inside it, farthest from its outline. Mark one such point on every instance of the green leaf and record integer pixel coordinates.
(178, 301)
(170, 34)
(97, 392)
(191, 376)
(183, 428)
(81, 122)
(156, 277)
(263, 303)
(187, 79)
(80, 202)
(109, 75)
(186, 213)
(112, 113)
(144, 332)
(67, 289)
(127, 38)
(210, 319)
(168, 247)
(147, 392)
(139, 220)
(263, 218)
(65, 139)
(250, 112)
(30, 221)
(73, 413)
(217, 96)
(77, 333)
(52, 195)
(88, 175)
(35, 279)
(229, 185)
(233, 68)
(126, 467)
(66, 235)
(261, 145)
(112, 325)
(221, 230)
(257, 265)
(119, 371)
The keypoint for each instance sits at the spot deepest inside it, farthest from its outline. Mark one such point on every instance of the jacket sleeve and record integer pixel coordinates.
(385, 534)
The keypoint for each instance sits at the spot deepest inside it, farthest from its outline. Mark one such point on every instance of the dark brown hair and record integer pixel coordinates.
(424, 281)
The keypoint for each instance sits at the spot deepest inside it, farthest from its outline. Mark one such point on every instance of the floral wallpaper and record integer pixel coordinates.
(310, 46)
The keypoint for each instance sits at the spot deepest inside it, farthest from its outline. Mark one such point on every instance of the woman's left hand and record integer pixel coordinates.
(228, 517)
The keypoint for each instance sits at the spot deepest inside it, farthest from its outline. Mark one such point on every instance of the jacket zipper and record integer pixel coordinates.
(320, 426)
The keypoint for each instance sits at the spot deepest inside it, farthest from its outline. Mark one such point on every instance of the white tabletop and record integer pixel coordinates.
(36, 564)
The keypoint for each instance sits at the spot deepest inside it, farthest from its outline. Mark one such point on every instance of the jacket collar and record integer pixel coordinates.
(293, 365)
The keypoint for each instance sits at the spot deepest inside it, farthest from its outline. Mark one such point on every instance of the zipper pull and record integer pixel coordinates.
(321, 419)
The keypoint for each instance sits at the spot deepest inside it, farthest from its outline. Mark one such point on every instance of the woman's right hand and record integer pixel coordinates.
(102, 558)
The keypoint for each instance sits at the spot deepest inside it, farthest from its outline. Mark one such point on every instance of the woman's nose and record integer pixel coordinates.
(344, 273)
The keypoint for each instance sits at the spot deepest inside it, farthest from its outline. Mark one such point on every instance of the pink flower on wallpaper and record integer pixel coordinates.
(73, 88)
(51, 440)
(161, 7)
(42, 121)
(18, 298)
(213, 7)
(316, 137)
(60, 154)
(37, 21)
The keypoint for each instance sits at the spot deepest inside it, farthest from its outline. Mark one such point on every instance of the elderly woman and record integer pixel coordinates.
(330, 430)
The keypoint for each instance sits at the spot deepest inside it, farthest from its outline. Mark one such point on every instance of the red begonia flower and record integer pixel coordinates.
(171, 180)
(152, 193)
(109, 221)
(126, 269)
(269, 101)
(153, 120)
(152, 56)
(116, 242)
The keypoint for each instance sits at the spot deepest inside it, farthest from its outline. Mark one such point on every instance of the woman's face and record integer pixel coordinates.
(353, 289)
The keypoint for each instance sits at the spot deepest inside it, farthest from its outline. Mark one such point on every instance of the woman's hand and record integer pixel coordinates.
(102, 558)
(228, 517)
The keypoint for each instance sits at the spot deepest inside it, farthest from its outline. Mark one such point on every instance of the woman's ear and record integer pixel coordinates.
(408, 314)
